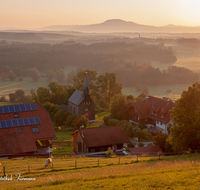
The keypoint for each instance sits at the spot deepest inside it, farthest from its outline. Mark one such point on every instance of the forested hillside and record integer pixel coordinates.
(130, 61)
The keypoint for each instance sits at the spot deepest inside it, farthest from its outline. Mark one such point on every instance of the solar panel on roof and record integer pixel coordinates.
(5, 109)
(33, 107)
(3, 124)
(26, 121)
(1, 109)
(9, 123)
(22, 107)
(28, 107)
(21, 122)
(17, 108)
(37, 120)
(11, 109)
(32, 121)
(15, 123)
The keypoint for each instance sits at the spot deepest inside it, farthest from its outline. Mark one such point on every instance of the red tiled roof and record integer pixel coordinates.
(14, 143)
(102, 136)
(151, 150)
(142, 108)
(160, 106)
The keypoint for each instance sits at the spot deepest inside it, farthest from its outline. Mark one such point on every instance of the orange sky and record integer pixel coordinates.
(36, 14)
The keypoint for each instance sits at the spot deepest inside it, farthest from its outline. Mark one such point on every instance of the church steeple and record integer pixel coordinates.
(86, 87)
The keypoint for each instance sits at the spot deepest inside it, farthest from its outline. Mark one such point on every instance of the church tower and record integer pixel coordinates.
(86, 93)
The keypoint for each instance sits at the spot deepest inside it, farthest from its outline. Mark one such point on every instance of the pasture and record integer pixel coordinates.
(187, 57)
(27, 84)
(105, 173)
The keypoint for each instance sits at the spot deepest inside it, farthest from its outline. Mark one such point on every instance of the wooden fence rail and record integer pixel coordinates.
(77, 164)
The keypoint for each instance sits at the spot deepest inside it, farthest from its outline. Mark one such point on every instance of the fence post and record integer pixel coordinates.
(52, 166)
(159, 155)
(119, 160)
(4, 171)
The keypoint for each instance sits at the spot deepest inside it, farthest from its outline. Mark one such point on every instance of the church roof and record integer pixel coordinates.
(76, 98)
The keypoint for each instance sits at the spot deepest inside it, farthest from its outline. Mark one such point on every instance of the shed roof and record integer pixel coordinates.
(103, 136)
(151, 150)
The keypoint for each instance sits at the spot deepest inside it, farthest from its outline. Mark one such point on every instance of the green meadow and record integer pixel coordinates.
(27, 84)
(105, 173)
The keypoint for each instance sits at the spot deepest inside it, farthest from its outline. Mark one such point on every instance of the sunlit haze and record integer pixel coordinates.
(36, 14)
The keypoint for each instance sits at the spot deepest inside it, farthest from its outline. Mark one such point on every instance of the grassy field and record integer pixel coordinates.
(27, 84)
(106, 173)
(187, 57)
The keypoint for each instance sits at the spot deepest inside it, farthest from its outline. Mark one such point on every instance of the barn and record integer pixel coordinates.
(94, 140)
(25, 130)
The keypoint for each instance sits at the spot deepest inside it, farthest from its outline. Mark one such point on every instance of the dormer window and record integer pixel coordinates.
(16, 115)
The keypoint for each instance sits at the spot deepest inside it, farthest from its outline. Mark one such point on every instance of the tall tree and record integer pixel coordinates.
(108, 86)
(60, 76)
(11, 75)
(185, 130)
(35, 74)
(118, 106)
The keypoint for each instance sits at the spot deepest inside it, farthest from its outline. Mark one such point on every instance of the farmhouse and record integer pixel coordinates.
(152, 112)
(25, 130)
(93, 140)
(81, 103)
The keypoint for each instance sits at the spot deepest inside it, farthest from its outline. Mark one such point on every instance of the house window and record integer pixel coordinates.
(70, 108)
(35, 130)
(20, 131)
(92, 149)
(160, 123)
(101, 149)
(16, 115)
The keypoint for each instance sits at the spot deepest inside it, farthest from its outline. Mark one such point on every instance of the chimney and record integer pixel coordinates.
(168, 101)
(83, 135)
(163, 97)
(147, 99)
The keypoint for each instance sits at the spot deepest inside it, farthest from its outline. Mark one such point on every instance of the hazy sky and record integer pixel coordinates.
(40, 13)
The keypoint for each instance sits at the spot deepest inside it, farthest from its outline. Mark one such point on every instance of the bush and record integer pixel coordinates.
(60, 117)
(109, 152)
(150, 144)
(106, 118)
(140, 144)
(112, 122)
(142, 126)
(131, 145)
